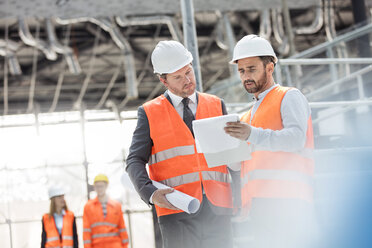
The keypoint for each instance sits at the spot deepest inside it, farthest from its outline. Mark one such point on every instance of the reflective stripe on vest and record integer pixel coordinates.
(277, 175)
(57, 238)
(87, 230)
(194, 177)
(124, 241)
(216, 176)
(52, 239)
(87, 241)
(103, 224)
(123, 230)
(183, 179)
(101, 235)
(305, 152)
(171, 153)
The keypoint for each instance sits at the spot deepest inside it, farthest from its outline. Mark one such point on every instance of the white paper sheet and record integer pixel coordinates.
(210, 135)
(218, 147)
(180, 200)
(231, 156)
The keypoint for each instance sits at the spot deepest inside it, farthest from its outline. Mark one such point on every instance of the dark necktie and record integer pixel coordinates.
(188, 117)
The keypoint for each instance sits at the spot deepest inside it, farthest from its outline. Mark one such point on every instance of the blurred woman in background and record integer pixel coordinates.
(59, 226)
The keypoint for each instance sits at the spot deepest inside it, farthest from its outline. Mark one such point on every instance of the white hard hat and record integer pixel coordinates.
(170, 56)
(55, 191)
(252, 46)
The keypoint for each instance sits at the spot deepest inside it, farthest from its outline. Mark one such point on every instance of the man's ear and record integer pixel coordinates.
(164, 81)
(270, 68)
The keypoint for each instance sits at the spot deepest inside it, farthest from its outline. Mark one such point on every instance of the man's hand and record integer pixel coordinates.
(239, 130)
(241, 215)
(159, 199)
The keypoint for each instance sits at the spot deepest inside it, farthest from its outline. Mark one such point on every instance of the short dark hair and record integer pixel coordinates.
(163, 76)
(267, 59)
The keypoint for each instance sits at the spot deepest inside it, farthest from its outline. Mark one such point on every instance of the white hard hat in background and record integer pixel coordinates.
(170, 56)
(252, 46)
(55, 191)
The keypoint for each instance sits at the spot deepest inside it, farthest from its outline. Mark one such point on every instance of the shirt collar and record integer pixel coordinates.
(96, 201)
(176, 100)
(263, 94)
(63, 212)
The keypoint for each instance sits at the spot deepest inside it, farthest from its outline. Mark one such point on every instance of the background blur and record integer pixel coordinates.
(73, 73)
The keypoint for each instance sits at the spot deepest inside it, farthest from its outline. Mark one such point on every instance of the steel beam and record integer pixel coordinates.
(190, 39)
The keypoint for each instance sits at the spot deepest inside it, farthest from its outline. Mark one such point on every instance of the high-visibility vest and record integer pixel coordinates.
(52, 234)
(100, 231)
(174, 159)
(277, 175)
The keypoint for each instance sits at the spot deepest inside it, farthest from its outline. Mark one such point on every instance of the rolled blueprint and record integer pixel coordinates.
(180, 200)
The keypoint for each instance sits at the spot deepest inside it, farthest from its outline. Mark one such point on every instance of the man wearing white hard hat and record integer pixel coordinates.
(277, 183)
(103, 221)
(164, 139)
(59, 225)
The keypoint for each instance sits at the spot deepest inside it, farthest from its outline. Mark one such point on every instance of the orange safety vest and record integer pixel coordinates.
(52, 235)
(100, 232)
(174, 160)
(280, 175)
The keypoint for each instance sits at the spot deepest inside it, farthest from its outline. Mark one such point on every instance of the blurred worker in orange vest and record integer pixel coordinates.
(277, 183)
(59, 226)
(103, 220)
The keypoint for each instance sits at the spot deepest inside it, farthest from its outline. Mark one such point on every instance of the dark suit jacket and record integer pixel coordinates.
(140, 151)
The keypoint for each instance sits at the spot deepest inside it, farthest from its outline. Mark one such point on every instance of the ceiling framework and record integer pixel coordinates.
(60, 56)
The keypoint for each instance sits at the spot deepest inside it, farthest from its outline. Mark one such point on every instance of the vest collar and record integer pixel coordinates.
(263, 94)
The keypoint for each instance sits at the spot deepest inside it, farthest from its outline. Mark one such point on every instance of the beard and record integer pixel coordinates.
(257, 86)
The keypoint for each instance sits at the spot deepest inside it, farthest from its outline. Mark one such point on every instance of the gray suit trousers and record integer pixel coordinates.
(203, 229)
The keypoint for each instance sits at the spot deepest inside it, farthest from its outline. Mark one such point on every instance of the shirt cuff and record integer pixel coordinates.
(150, 200)
(253, 137)
(235, 166)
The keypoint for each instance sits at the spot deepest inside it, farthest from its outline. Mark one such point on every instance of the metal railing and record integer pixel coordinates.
(129, 225)
(324, 47)
(284, 63)
(317, 61)
(327, 48)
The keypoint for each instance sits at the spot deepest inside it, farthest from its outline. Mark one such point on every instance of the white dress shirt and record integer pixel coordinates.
(58, 219)
(295, 112)
(178, 105)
